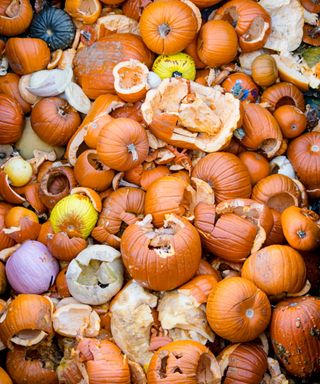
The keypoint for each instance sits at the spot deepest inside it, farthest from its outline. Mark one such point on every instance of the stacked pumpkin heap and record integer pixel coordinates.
(160, 185)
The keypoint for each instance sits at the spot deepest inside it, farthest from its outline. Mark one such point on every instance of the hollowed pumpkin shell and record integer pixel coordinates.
(283, 94)
(16, 18)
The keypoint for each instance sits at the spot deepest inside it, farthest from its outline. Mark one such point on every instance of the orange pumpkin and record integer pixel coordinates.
(283, 94)
(257, 165)
(301, 228)
(15, 17)
(9, 84)
(237, 310)
(226, 174)
(85, 11)
(304, 155)
(252, 22)
(217, 43)
(294, 334)
(93, 65)
(134, 8)
(199, 287)
(19, 52)
(311, 5)
(64, 248)
(192, 50)
(183, 361)
(11, 120)
(311, 35)
(264, 70)
(61, 284)
(276, 235)
(54, 120)
(122, 144)
(161, 259)
(4, 377)
(150, 175)
(241, 86)
(167, 27)
(276, 269)
(291, 121)
(5, 240)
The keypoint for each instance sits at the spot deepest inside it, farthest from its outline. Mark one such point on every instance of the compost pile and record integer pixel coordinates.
(159, 191)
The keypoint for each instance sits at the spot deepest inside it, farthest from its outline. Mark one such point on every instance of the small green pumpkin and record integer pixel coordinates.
(54, 26)
(178, 65)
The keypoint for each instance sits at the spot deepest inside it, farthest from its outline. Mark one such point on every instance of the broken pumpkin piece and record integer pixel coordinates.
(189, 115)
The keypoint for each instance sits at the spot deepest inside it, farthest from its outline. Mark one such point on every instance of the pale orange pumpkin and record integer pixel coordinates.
(264, 70)
(292, 121)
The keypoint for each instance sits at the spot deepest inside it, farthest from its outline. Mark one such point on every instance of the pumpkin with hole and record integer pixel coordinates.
(167, 27)
(294, 330)
(304, 155)
(283, 94)
(237, 310)
(122, 144)
(84, 10)
(264, 70)
(54, 120)
(257, 165)
(301, 228)
(217, 43)
(93, 65)
(183, 361)
(15, 17)
(277, 270)
(134, 8)
(11, 120)
(292, 121)
(9, 84)
(164, 258)
(27, 55)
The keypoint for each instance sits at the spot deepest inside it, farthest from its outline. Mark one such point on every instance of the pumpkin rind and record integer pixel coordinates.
(283, 94)
(19, 23)
(11, 120)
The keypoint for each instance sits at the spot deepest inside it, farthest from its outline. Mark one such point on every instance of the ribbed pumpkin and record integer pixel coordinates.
(167, 27)
(241, 86)
(5, 240)
(9, 84)
(237, 310)
(276, 269)
(161, 259)
(15, 17)
(122, 144)
(226, 174)
(295, 329)
(244, 363)
(283, 94)
(11, 120)
(276, 235)
(93, 65)
(304, 155)
(291, 120)
(264, 70)
(257, 165)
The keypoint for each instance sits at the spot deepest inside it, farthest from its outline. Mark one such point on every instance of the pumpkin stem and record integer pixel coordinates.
(250, 313)
(315, 148)
(301, 234)
(61, 111)
(239, 133)
(164, 30)
(133, 151)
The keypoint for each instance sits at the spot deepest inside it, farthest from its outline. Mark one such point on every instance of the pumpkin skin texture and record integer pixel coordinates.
(264, 70)
(247, 363)
(27, 55)
(54, 120)
(122, 144)
(166, 261)
(217, 43)
(283, 94)
(237, 310)
(93, 65)
(258, 166)
(294, 330)
(276, 269)
(9, 84)
(304, 155)
(54, 26)
(226, 174)
(167, 27)
(276, 235)
(19, 21)
(11, 120)
(183, 361)
(241, 86)
(291, 121)
(301, 228)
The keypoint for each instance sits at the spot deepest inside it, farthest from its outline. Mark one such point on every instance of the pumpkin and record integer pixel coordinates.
(217, 43)
(179, 65)
(237, 310)
(260, 130)
(257, 165)
(54, 120)
(11, 120)
(5, 240)
(292, 121)
(294, 330)
(131, 80)
(165, 195)
(283, 94)
(4, 377)
(122, 144)
(311, 35)
(86, 11)
(15, 18)
(167, 27)
(276, 235)
(226, 174)
(252, 22)
(93, 65)
(183, 361)
(311, 5)
(304, 155)
(276, 269)
(54, 26)
(244, 363)
(122, 207)
(150, 175)
(9, 84)
(264, 70)
(241, 86)
(277, 192)
(192, 50)
(64, 248)
(19, 52)
(301, 228)
(161, 259)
